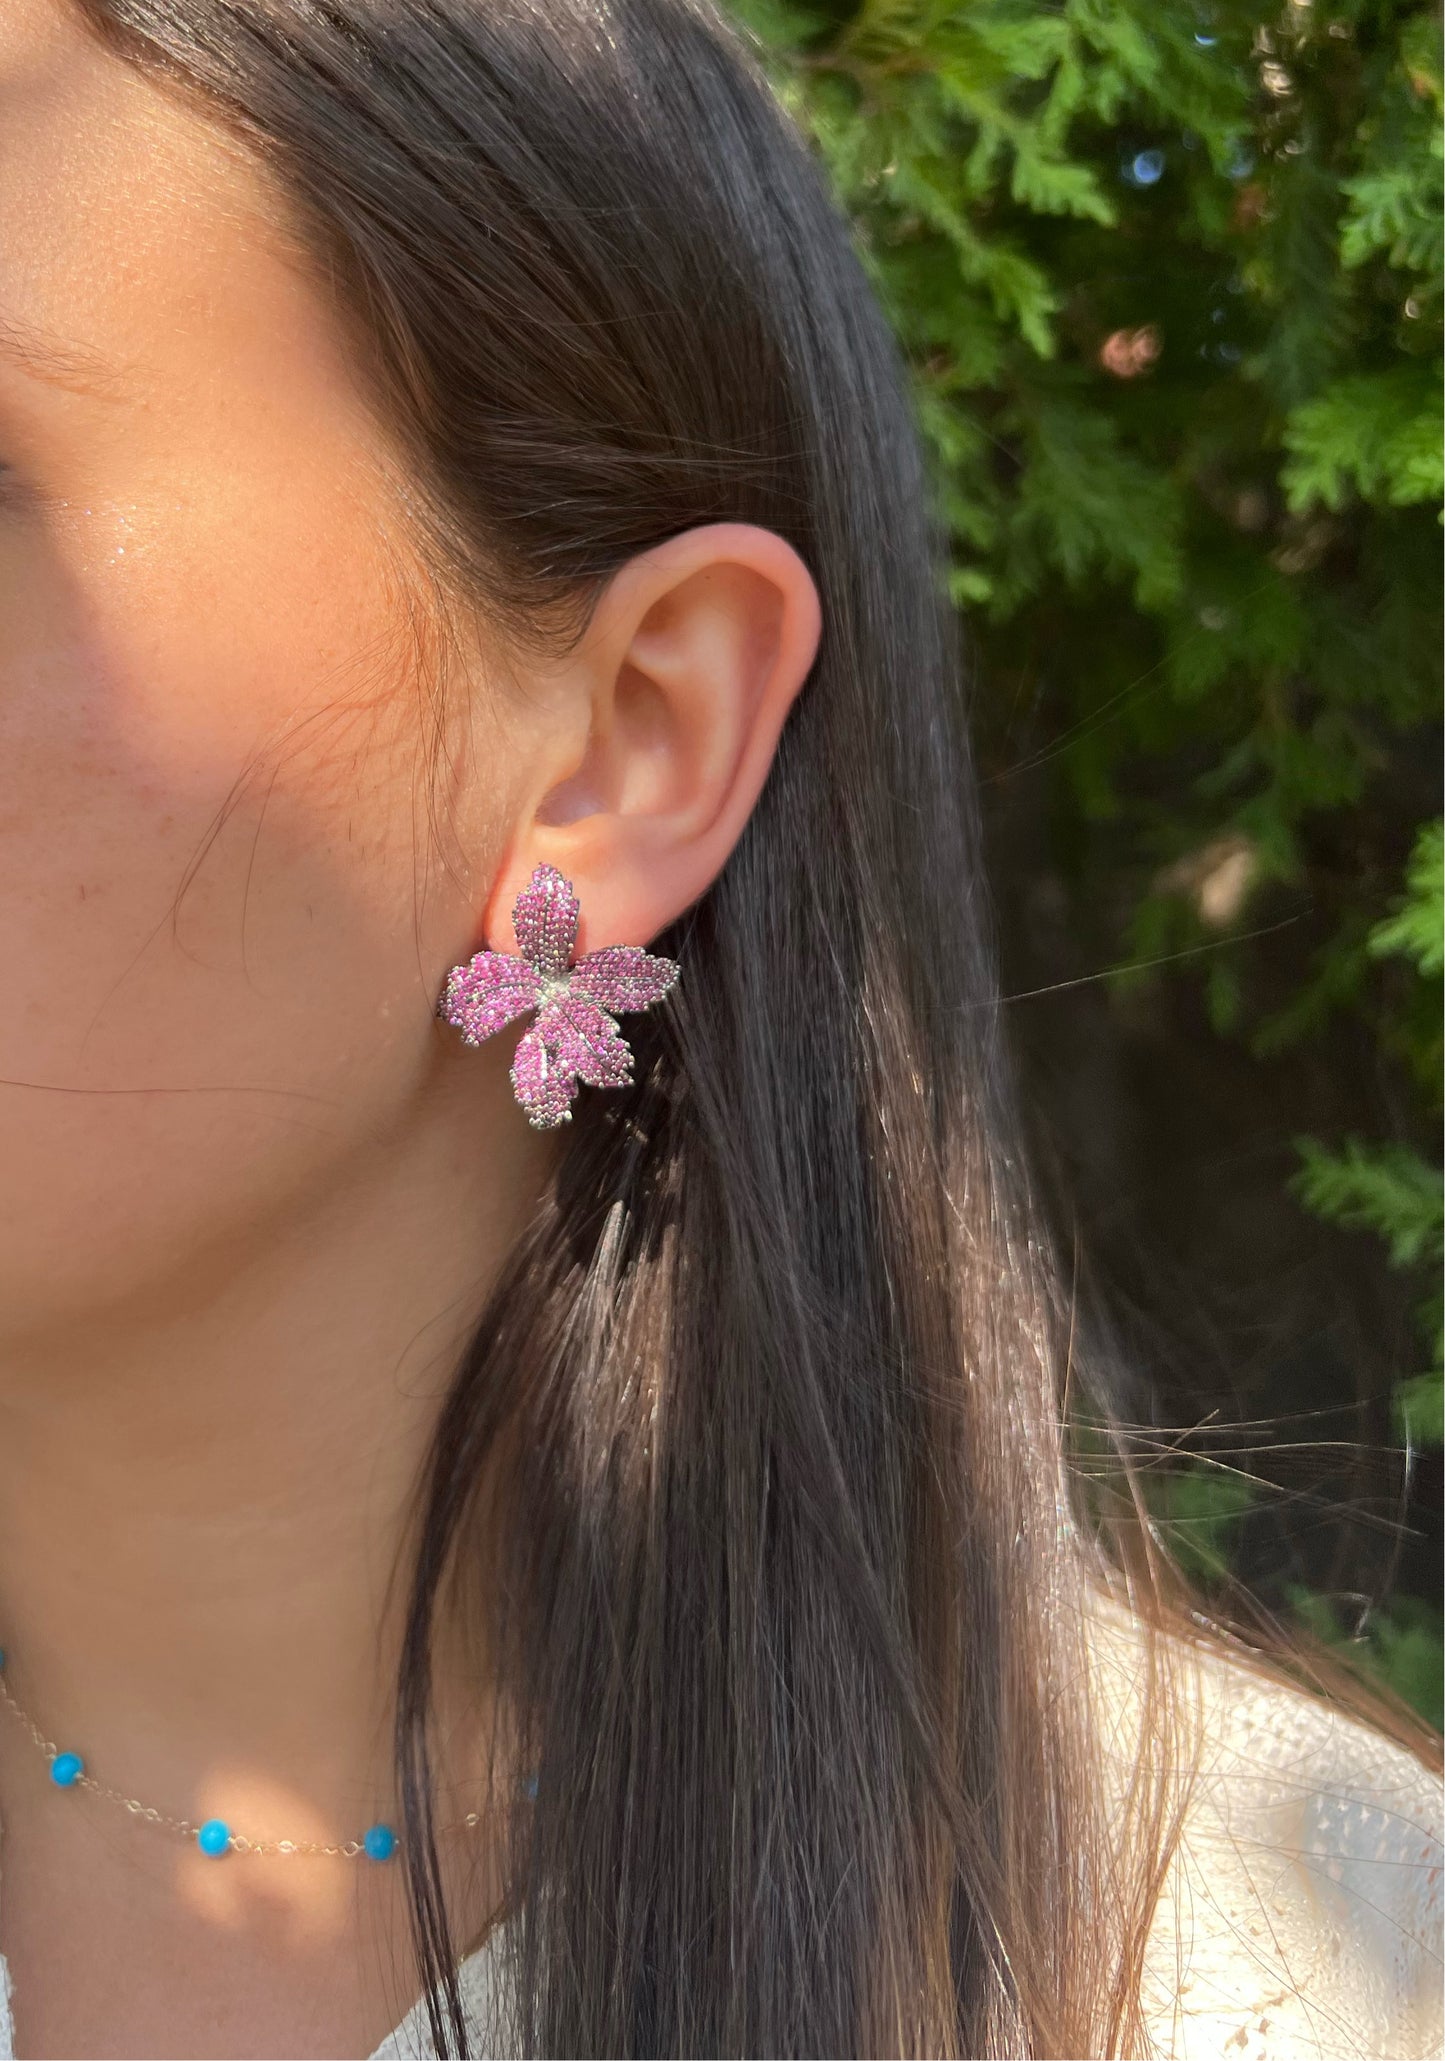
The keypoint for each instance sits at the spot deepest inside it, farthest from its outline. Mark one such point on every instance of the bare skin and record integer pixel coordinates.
(252, 1192)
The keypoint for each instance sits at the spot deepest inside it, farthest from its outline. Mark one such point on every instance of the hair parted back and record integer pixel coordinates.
(793, 1626)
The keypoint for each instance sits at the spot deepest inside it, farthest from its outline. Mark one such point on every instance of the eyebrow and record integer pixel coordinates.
(59, 362)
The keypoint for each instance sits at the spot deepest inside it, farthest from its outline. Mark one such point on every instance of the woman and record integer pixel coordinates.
(611, 1583)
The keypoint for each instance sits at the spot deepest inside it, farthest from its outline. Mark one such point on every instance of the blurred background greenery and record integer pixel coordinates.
(1169, 279)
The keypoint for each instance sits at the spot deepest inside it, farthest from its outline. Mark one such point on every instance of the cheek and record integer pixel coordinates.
(217, 898)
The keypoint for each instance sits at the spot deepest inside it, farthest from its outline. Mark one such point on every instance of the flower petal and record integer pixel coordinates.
(624, 977)
(543, 1087)
(487, 992)
(544, 916)
(586, 1041)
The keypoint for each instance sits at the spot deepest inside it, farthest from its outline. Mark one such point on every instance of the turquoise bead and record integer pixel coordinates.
(379, 1843)
(66, 1770)
(214, 1836)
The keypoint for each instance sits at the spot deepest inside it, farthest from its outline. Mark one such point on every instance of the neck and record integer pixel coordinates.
(204, 1497)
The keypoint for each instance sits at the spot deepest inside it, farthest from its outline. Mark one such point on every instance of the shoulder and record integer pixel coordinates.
(1302, 1914)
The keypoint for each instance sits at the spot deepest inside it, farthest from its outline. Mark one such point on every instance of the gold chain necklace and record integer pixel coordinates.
(213, 1836)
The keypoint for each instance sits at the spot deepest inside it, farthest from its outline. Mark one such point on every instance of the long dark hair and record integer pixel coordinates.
(784, 1580)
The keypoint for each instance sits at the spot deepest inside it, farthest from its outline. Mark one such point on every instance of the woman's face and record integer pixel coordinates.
(224, 898)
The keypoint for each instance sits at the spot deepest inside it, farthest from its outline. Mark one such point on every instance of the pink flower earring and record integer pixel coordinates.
(574, 1037)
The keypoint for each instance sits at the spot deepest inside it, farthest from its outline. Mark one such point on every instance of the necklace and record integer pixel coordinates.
(214, 1837)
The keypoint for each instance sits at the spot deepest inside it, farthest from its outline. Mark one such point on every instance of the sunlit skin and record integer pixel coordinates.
(252, 1191)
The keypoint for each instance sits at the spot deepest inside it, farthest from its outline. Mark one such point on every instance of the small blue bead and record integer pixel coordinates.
(66, 1770)
(379, 1843)
(214, 1836)
(2, 1657)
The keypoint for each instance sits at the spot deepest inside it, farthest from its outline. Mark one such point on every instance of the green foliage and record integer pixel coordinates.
(1168, 276)
(1376, 436)
(1196, 1510)
(1169, 280)
(1393, 1190)
(1420, 1401)
(1401, 1647)
(1384, 1188)
(1417, 928)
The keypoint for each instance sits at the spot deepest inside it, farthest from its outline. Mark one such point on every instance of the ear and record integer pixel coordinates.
(661, 728)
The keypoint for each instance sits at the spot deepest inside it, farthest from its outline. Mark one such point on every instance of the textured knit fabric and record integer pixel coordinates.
(1302, 1916)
